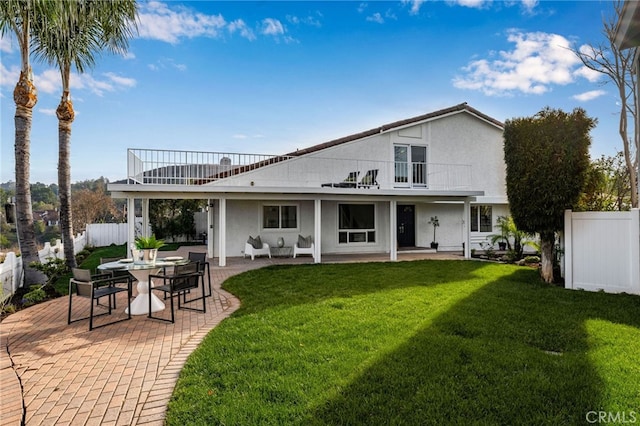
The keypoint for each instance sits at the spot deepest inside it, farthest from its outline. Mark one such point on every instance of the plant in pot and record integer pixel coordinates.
(147, 249)
(434, 221)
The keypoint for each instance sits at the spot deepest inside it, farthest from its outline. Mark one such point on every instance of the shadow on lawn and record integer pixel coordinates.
(282, 286)
(509, 353)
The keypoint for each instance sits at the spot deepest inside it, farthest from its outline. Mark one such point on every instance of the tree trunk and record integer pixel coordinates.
(547, 241)
(25, 97)
(65, 116)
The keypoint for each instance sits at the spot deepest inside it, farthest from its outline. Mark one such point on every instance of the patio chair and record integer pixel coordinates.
(203, 264)
(184, 278)
(123, 276)
(350, 182)
(369, 179)
(303, 246)
(95, 287)
(255, 247)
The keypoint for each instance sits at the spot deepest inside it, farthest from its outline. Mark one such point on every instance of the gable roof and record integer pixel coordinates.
(463, 107)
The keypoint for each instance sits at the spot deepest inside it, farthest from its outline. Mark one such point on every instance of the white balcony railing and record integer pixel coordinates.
(167, 167)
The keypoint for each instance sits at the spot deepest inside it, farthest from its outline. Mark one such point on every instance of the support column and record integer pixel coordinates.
(393, 230)
(210, 221)
(131, 224)
(317, 230)
(466, 233)
(146, 230)
(222, 232)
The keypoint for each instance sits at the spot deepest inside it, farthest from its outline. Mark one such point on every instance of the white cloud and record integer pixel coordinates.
(240, 136)
(128, 55)
(415, 5)
(272, 27)
(49, 81)
(121, 81)
(157, 21)
(241, 27)
(7, 44)
(536, 63)
(474, 4)
(589, 96)
(48, 111)
(164, 63)
(9, 77)
(376, 17)
(313, 21)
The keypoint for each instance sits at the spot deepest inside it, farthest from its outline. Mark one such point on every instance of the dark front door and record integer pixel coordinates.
(406, 226)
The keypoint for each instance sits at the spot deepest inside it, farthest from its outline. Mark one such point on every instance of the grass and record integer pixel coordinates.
(426, 342)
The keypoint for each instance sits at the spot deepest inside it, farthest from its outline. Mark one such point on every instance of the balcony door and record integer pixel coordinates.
(410, 165)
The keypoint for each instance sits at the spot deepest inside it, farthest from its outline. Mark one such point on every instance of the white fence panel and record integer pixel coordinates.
(602, 251)
(105, 234)
(10, 274)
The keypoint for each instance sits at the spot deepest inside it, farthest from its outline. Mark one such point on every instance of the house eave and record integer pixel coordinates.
(203, 192)
(627, 33)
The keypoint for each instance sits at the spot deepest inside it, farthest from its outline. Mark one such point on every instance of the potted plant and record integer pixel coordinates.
(147, 249)
(434, 221)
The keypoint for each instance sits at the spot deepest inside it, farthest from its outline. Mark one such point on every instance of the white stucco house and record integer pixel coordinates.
(371, 192)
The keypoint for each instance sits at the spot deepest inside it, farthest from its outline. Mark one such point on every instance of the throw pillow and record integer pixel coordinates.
(257, 242)
(304, 242)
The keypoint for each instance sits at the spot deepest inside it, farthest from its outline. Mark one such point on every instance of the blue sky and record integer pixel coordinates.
(270, 77)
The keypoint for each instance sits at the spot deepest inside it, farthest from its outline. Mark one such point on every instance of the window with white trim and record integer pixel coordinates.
(481, 219)
(280, 216)
(356, 223)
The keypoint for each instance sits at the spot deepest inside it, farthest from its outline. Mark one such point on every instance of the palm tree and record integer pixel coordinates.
(77, 30)
(18, 16)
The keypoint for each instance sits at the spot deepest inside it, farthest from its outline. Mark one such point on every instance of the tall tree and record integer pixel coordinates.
(77, 31)
(607, 185)
(617, 66)
(18, 17)
(547, 158)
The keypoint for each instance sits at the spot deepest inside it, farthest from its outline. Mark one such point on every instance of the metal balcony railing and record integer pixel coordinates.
(168, 167)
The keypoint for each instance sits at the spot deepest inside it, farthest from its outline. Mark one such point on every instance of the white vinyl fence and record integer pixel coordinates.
(105, 234)
(602, 251)
(11, 273)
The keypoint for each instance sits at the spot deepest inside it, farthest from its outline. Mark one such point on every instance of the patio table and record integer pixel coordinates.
(141, 272)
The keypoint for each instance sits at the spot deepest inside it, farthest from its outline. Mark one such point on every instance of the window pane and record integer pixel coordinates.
(342, 237)
(418, 154)
(401, 166)
(474, 219)
(371, 236)
(485, 219)
(289, 217)
(357, 237)
(356, 216)
(271, 216)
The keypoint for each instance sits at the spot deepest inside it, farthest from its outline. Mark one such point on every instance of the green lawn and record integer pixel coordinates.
(425, 342)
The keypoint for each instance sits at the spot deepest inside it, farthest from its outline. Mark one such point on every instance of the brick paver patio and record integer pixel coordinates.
(123, 374)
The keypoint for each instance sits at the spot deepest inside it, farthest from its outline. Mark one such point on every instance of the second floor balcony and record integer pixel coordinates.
(172, 167)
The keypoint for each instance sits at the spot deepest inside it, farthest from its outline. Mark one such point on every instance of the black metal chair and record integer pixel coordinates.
(184, 278)
(121, 275)
(201, 258)
(95, 287)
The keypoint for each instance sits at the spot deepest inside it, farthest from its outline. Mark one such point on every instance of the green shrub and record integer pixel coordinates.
(532, 259)
(54, 269)
(35, 295)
